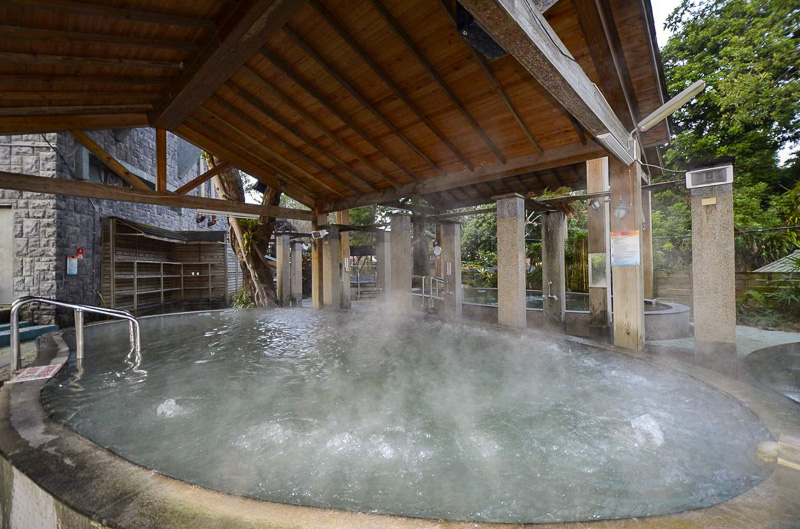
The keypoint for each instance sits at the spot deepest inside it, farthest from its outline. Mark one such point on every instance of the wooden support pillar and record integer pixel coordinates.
(647, 245)
(599, 263)
(511, 306)
(320, 221)
(451, 269)
(161, 160)
(626, 262)
(553, 270)
(331, 270)
(296, 280)
(400, 250)
(343, 217)
(383, 271)
(283, 286)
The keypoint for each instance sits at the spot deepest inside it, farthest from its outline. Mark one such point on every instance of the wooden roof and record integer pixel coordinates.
(338, 103)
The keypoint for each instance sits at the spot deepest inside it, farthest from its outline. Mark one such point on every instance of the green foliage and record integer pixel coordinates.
(242, 299)
(478, 237)
(747, 52)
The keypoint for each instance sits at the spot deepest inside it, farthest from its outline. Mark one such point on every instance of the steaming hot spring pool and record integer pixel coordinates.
(422, 419)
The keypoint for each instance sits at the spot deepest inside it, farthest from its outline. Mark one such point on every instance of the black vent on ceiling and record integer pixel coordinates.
(475, 35)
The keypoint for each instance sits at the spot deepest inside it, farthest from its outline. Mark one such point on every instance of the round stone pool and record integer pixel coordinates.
(420, 419)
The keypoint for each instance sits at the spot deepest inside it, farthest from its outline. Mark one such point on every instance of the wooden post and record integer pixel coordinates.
(161, 160)
(647, 245)
(343, 217)
(599, 264)
(626, 263)
(319, 222)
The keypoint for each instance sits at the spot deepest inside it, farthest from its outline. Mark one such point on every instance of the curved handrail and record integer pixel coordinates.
(133, 325)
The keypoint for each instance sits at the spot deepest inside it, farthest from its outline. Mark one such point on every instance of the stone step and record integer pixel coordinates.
(22, 325)
(27, 334)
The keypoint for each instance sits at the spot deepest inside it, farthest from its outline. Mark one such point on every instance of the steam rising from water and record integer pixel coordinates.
(419, 419)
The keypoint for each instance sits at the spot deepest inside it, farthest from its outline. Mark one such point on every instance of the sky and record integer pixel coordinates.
(661, 10)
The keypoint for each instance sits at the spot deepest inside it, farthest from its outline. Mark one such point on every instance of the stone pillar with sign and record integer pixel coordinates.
(401, 259)
(511, 309)
(283, 280)
(553, 270)
(331, 275)
(452, 295)
(383, 269)
(296, 281)
(626, 259)
(599, 264)
(343, 218)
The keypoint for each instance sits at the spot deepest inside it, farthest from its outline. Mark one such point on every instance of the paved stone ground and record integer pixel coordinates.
(28, 350)
(748, 339)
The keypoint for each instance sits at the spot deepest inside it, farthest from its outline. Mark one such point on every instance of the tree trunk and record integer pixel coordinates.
(250, 245)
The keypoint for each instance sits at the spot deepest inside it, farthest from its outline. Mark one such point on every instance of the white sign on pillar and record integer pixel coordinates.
(449, 268)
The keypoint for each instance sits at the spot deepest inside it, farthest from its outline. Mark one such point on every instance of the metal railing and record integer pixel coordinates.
(433, 292)
(133, 326)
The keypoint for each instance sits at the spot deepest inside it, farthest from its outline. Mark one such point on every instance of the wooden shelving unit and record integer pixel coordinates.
(151, 270)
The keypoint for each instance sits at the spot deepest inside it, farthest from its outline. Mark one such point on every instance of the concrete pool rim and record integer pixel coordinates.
(92, 483)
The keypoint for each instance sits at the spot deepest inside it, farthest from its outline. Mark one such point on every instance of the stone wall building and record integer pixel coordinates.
(48, 228)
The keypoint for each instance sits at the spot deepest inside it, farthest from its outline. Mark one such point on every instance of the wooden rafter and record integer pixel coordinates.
(29, 33)
(37, 124)
(522, 30)
(358, 96)
(244, 162)
(94, 98)
(383, 76)
(563, 155)
(259, 106)
(58, 186)
(440, 82)
(55, 110)
(258, 146)
(120, 13)
(297, 109)
(108, 160)
(10, 81)
(296, 79)
(498, 88)
(202, 179)
(161, 160)
(85, 62)
(277, 139)
(247, 29)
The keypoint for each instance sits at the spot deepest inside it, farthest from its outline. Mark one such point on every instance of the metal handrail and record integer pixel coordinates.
(432, 280)
(133, 325)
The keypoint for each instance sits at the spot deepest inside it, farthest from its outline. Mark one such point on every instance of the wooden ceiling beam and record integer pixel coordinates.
(109, 161)
(383, 76)
(246, 29)
(42, 124)
(95, 98)
(440, 82)
(259, 106)
(10, 81)
(297, 109)
(202, 179)
(285, 183)
(492, 78)
(322, 100)
(73, 37)
(260, 146)
(521, 29)
(74, 110)
(563, 155)
(36, 59)
(120, 13)
(59, 186)
(358, 96)
(161, 160)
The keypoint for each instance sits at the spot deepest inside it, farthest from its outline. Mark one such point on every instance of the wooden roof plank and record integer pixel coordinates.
(358, 96)
(246, 30)
(85, 62)
(324, 102)
(21, 32)
(437, 78)
(524, 33)
(398, 92)
(42, 124)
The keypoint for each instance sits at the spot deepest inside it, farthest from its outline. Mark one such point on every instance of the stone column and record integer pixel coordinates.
(283, 286)
(511, 260)
(714, 276)
(553, 270)
(296, 280)
(451, 269)
(599, 264)
(343, 217)
(401, 259)
(383, 270)
(421, 266)
(331, 275)
(626, 248)
(647, 245)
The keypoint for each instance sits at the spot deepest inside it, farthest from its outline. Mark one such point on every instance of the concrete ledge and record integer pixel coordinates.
(57, 478)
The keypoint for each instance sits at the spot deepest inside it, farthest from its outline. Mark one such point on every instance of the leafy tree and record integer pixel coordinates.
(748, 53)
